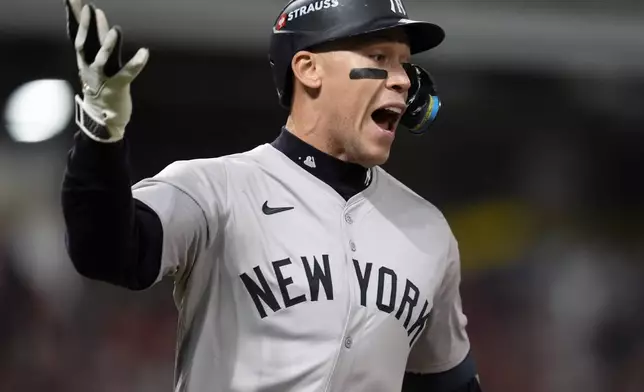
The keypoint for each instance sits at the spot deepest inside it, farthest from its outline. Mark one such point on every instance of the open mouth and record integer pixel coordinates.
(387, 118)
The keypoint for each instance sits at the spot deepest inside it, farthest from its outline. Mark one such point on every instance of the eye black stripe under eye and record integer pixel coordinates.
(368, 73)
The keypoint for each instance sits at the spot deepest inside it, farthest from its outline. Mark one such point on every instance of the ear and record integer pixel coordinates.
(306, 69)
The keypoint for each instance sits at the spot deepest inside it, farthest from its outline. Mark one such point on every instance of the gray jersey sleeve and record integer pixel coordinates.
(188, 197)
(444, 343)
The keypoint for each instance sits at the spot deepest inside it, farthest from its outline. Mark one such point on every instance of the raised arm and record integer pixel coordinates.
(111, 235)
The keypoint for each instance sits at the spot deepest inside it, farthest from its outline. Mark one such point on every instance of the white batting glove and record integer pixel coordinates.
(106, 106)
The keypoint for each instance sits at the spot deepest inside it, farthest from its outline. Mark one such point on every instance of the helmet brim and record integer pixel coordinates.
(422, 36)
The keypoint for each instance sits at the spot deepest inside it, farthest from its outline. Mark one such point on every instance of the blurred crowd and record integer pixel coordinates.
(97, 339)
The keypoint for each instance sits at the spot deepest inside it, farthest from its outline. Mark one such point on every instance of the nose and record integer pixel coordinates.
(399, 80)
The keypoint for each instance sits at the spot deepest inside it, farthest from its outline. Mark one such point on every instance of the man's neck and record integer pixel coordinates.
(346, 178)
(312, 129)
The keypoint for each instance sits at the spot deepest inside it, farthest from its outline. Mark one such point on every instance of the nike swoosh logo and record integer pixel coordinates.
(273, 210)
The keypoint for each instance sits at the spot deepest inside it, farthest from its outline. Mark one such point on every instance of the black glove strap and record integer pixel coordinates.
(88, 125)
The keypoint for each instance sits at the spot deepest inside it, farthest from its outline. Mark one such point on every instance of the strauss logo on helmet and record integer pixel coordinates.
(307, 9)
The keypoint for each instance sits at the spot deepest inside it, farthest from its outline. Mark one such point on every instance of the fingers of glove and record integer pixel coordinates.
(114, 63)
(107, 50)
(83, 25)
(92, 42)
(133, 67)
(102, 26)
(76, 6)
(73, 13)
(80, 61)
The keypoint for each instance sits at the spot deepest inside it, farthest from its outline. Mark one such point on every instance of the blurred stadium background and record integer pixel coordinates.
(534, 160)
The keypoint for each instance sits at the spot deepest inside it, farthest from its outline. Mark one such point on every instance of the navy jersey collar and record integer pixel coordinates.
(346, 178)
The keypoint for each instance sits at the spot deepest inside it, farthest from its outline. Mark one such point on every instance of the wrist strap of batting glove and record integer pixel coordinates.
(91, 125)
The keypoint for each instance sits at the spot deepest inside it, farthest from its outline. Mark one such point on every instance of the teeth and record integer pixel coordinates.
(394, 109)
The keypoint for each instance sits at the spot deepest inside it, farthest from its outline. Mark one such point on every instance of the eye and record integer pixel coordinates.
(378, 57)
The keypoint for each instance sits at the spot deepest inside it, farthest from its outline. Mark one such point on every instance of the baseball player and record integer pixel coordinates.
(299, 265)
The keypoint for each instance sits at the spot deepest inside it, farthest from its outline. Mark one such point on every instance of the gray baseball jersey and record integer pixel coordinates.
(282, 285)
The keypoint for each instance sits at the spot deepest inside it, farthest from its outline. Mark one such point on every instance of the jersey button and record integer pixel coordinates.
(352, 245)
(348, 219)
(348, 342)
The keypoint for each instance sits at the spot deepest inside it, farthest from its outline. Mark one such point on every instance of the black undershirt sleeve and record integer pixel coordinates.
(462, 378)
(109, 235)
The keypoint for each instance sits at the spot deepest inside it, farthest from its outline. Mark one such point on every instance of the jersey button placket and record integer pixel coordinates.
(346, 343)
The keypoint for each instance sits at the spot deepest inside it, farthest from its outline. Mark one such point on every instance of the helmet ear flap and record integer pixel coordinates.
(282, 51)
(423, 102)
(286, 95)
